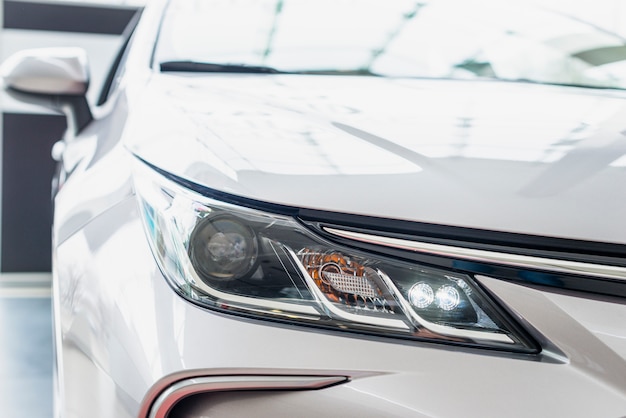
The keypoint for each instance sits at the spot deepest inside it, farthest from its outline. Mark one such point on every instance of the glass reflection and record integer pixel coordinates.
(506, 40)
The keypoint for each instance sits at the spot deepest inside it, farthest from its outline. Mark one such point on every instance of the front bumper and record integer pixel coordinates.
(126, 338)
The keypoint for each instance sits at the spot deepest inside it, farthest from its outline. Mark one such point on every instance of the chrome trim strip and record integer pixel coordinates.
(514, 260)
(192, 386)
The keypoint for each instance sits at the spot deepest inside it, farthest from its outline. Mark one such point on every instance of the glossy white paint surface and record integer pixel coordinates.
(539, 160)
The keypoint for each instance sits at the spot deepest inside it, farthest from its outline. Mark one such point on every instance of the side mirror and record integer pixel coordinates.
(57, 78)
(55, 71)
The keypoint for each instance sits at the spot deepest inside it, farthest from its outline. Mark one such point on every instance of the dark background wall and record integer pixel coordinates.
(26, 205)
(29, 134)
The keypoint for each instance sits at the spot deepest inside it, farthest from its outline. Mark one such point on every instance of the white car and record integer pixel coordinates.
(341, 208)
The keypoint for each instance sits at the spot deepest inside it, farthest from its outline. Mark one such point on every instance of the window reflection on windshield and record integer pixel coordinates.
(401, 38)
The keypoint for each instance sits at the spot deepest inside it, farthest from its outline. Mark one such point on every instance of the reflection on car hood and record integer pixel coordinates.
(533, 159)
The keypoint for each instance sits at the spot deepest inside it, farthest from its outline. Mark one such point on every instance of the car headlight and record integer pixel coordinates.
(245, 261)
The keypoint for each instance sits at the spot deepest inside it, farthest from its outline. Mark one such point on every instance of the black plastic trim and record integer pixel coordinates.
(224, 196)
(114, 69)
(583, 251)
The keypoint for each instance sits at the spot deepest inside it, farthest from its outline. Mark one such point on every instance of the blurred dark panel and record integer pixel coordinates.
(66, 17)
(27, 170)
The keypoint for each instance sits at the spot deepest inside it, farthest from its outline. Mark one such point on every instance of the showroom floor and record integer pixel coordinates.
(25, 346)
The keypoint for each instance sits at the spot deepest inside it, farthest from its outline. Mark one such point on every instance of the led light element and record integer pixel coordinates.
(448, 298)
(421, 295)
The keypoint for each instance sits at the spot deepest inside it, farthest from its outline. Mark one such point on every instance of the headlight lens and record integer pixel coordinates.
(245, 261)
(222, 249)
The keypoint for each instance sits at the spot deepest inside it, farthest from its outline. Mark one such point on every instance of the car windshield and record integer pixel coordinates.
(503, 40)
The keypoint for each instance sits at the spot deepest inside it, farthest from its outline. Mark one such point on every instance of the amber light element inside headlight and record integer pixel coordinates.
(249, 262)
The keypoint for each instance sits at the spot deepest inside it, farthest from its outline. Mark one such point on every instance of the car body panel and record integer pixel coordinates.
(486, 155)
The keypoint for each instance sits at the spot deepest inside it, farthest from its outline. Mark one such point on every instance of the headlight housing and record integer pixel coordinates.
(245, 261)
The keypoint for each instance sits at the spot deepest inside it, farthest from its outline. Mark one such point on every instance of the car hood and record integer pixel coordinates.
(524, 158)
